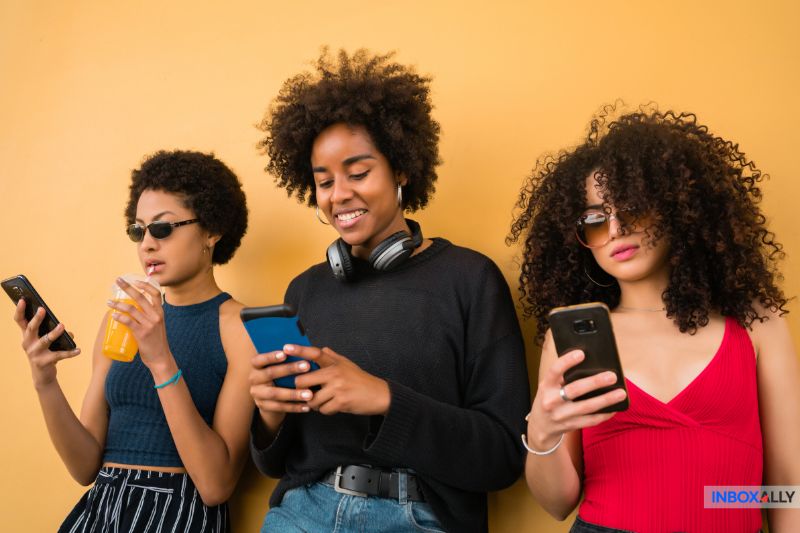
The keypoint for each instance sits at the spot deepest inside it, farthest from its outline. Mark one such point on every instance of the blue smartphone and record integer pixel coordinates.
(273, 326)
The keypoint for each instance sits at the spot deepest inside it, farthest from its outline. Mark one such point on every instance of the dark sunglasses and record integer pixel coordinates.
(594, 227)
(160, 229)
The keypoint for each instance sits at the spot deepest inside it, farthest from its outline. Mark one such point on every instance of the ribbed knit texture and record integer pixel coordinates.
(443, 332)
(138, 433)
(645, 468)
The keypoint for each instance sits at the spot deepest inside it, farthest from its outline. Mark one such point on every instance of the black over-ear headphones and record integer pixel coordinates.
(388, 255)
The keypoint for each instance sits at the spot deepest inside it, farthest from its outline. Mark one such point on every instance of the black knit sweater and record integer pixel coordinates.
(442, 330)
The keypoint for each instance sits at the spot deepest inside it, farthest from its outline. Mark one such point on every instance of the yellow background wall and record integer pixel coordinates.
(87, 88)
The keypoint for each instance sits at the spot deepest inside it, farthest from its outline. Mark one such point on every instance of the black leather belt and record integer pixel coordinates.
(363, 481)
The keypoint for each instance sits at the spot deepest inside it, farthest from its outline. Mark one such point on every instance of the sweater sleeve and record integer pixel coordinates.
(473, 446)
(271, 460)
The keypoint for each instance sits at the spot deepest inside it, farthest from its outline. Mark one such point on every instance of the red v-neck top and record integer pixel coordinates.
(645, 468)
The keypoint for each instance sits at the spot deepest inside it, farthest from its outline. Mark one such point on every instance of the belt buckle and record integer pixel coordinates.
(338, 487)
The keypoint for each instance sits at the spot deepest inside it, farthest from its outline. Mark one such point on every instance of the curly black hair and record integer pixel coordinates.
(391, 101)
(205, 185)
(704, 192)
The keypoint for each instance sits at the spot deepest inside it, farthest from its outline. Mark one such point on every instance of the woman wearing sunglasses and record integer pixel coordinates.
(412, 416)
(164, 437)
(658, 218)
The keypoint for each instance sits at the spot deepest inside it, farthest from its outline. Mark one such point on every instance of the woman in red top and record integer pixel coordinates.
(659, 219)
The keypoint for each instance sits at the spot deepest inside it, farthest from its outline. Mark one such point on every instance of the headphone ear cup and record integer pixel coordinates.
(391, 252)
(339, 259)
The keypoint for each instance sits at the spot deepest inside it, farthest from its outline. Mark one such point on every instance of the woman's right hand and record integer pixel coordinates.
(551, 415)
(42, 359)
(274, 402)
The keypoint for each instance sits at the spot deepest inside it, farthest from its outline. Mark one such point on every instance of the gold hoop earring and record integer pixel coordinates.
(593, 281)
(320, 218)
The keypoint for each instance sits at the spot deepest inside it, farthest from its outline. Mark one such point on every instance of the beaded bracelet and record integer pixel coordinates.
(170, 381)
(537, 452)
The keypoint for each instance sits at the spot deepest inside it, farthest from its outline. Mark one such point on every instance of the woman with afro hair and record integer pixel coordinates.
(163, 437)
(658, 218)
(412, 416)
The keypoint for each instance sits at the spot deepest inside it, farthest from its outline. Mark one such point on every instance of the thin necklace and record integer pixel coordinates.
(643, 309)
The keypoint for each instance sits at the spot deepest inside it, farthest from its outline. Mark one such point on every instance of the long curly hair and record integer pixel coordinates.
(391, 101)
(704, 192)
(205, 185)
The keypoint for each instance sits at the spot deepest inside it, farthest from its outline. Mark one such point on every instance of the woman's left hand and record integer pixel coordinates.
(146, 321)
(344, 387)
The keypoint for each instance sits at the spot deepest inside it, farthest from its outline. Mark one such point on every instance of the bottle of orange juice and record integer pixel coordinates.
(119, 343)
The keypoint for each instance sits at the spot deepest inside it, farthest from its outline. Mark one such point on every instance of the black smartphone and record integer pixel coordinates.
(587, 327)
(18, 288)
(271, 327)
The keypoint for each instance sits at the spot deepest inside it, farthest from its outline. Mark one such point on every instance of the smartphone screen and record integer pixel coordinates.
(587, 327)
(270, 328)
(17, 288)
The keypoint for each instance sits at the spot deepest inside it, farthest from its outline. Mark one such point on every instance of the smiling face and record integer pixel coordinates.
(628, 254)
(356, 188)
(183, 254)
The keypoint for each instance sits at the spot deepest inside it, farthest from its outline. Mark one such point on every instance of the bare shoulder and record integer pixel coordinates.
(234, 336)
(770, 335)
(229, 310)
(771, 331)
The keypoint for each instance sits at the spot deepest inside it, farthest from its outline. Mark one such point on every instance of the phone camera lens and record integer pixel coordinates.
(582, 327)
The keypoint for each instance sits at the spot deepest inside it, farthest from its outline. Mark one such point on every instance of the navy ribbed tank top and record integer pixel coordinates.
(138, 433)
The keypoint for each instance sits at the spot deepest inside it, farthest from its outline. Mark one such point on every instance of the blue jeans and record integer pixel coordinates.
(317, 508)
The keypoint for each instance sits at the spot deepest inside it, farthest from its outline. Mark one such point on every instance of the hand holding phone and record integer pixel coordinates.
(587, 327)
(19, 288)
(272, 327)
(43, 338)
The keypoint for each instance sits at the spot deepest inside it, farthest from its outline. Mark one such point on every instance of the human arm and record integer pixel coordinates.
(554, 479)
(213, 456)
(79, 442)
(271, 430)
(778, 372)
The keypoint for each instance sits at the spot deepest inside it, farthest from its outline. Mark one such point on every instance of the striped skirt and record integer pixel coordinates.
(144, 501)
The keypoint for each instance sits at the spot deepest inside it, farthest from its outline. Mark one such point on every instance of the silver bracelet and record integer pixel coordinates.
(536, 452)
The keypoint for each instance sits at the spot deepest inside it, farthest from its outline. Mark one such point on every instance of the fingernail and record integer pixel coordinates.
(109, 302)
(76, 351)
(620, 394)
(306, 394)
(302, 366)
(280, 356)
(305, 409)
(577, 356)
(610, 377)
(288, 348)
(115, 316)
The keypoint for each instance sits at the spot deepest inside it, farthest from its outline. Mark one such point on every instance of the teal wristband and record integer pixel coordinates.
(170, 381)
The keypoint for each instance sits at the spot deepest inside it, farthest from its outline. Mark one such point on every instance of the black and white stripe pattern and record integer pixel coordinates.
(144, 501)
